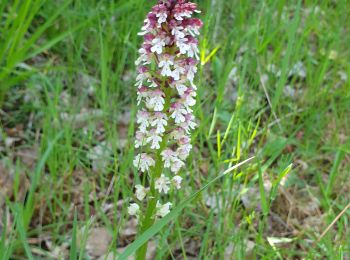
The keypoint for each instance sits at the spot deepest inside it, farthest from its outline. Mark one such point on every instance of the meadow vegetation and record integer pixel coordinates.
(273, 83)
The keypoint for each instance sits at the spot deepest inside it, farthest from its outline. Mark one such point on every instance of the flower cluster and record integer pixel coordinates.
(166, 94)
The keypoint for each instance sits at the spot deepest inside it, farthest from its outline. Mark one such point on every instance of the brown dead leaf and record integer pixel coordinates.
(28, 156)
(6, 182)
(130, 228)
(229, 250)
(98, 242)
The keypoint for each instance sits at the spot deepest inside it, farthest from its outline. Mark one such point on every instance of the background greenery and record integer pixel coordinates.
(273, 83)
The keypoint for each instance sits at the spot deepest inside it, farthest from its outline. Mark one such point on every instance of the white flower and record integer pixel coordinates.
(161, 17)
(165, 62)
(178, 113)
(143, 120)
(163, 210)
(162, 184)
(143, 161)
(171, 160)
(189, 123)
(156, 100)
(154, 138)
(140, 78)
(168, 156)
(141, 94)
(146, 28)
(177, 32)
(193, 30)
(193, 50)
(140, 139)
(158, 44)
(177, 133)
(144, 58)
(178, 71)
(134, 209)
(180, 87)
(188, 100)
(176, 165)
(178, 15)
(183, 45)
(140, 192)
(191, 71)
(184, 151)
(159, 121)
(176, 181)
(153, 85)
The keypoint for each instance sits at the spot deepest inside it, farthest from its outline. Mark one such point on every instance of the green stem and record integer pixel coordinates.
(148, 219)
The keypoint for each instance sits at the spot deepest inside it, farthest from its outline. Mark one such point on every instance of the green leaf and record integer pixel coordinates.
(29, 207)
(73, 245)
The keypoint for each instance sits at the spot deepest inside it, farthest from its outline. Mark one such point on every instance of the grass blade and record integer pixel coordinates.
(29, 207)
(73, 246)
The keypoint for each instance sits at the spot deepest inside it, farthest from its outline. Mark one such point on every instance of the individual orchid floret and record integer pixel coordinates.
(140, 139)
(143, 162)
(177, 133)
(154, 139)
(159, 121)
(177, 31)
(161, 13)
(176, 181)
(189, 123)
(142, 76)
(171, 160)
(193, 25)
(142, 118)
(162, 184)
(156, 100)
(183, 45)
(192, 47)
(180, 86)
(178, 71)
(163, 210)
(178, 112)
(168, 156)
(158, 44)
(184, 151)
(166, 61)
(140, 192)
(176, 165)
(191, 69)
(184, 9)
(134, 209)
(142, 94)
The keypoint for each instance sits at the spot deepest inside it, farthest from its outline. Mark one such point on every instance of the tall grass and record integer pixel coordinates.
(75, 61)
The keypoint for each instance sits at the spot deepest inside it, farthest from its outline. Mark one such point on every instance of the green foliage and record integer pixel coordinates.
(67, 75)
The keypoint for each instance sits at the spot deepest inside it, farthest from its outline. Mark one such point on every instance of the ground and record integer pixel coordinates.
(273, 83)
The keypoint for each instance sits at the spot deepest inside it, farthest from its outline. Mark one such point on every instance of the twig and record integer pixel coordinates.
(333, 222)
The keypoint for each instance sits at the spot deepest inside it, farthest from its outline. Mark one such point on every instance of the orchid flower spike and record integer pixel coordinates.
(166, 93)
